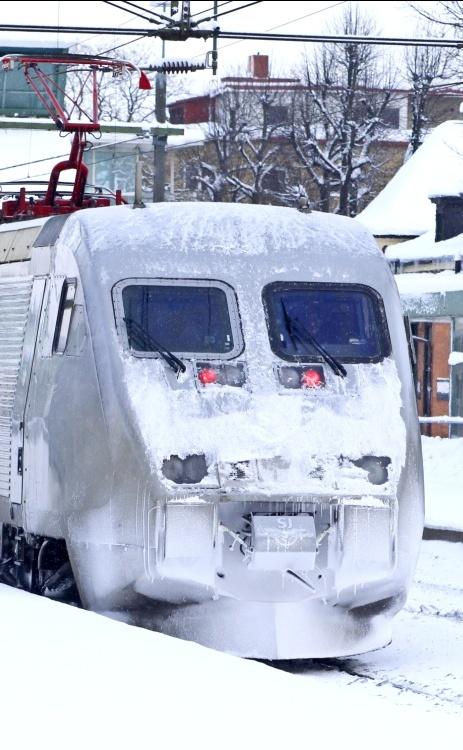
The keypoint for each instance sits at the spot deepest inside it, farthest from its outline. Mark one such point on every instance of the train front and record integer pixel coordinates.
(264, 366)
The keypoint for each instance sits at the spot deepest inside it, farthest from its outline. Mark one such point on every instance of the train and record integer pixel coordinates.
(208, 425)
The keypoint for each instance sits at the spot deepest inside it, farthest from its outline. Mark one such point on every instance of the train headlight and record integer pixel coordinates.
(189, 470)
(376, 466)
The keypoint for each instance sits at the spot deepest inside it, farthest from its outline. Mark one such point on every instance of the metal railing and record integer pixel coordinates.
(441, 420)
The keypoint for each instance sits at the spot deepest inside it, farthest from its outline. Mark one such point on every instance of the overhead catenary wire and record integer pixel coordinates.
(147, 14)
(118, 46)
(152, 12)
(286, 23)
(226, 12)
(133, 13)
(147, 10)
(198, 33)
(341, 39)
(209, 10)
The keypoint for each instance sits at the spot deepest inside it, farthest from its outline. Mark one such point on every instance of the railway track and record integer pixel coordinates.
(423, 663)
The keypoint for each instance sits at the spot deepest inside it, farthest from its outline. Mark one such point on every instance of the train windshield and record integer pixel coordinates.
(188, 318)
(348, 321)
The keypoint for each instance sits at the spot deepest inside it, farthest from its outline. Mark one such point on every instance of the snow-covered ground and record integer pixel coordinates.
(74, 679)
(424, 664)
(443, 477)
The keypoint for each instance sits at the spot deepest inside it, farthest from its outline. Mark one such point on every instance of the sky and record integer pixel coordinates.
(392, 18)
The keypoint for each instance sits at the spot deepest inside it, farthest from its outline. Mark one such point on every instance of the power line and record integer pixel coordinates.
(151, 12)
(133, 13)
(219, 5)
(124, 44)
(158, 17)
(226, 12)
(288, 23)
(172, 33)
(147, 10)
(340, 39)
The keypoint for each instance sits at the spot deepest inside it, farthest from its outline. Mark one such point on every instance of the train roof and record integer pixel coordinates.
(213, 239)
(223, 229)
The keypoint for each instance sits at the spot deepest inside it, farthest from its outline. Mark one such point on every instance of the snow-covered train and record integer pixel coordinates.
(208, 422)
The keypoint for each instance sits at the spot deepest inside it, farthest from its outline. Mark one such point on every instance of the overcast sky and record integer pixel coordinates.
(393, 18)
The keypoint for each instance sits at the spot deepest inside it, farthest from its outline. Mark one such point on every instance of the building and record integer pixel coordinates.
(418, 222)
(199, 115)
(403, 210)
(434, 305)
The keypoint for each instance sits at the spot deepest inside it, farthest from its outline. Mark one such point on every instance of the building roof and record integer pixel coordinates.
(403, 207)
(417, 284)
(425, 247)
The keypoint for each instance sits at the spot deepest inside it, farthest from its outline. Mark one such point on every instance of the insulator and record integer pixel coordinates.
(177, 66)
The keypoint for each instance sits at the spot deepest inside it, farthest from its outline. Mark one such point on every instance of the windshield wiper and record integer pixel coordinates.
(137, 333)
(297, 331)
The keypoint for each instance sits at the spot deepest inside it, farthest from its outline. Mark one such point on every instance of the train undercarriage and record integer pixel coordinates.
(36, 564)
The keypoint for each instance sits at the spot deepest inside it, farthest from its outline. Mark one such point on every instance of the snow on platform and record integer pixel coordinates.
(403, 207)
(74, 679)
(443, 480)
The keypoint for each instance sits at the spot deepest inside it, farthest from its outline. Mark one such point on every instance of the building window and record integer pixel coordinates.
(176, 116)
(277, 115)
(391, 117)
(190, 176)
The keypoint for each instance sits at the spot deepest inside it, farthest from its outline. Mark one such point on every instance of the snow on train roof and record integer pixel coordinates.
(403, 207)
(222, 229)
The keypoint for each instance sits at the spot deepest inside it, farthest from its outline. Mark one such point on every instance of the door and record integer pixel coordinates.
(20, 306)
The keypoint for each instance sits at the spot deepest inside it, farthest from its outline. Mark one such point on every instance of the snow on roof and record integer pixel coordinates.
(192, 134)
(201, 83)
(426, 247)
(417, 284)
(403, 207)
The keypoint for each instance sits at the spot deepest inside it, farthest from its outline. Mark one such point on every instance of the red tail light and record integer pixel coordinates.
(300, 376)
(207, 376)
(221, 374)
(312, 379)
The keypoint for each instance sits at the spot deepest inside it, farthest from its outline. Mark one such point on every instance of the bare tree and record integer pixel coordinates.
(341, 115)
(263, 120)
(121, 98)
(217, 165)
(425, 66)
(245, 141)
(445, 13)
